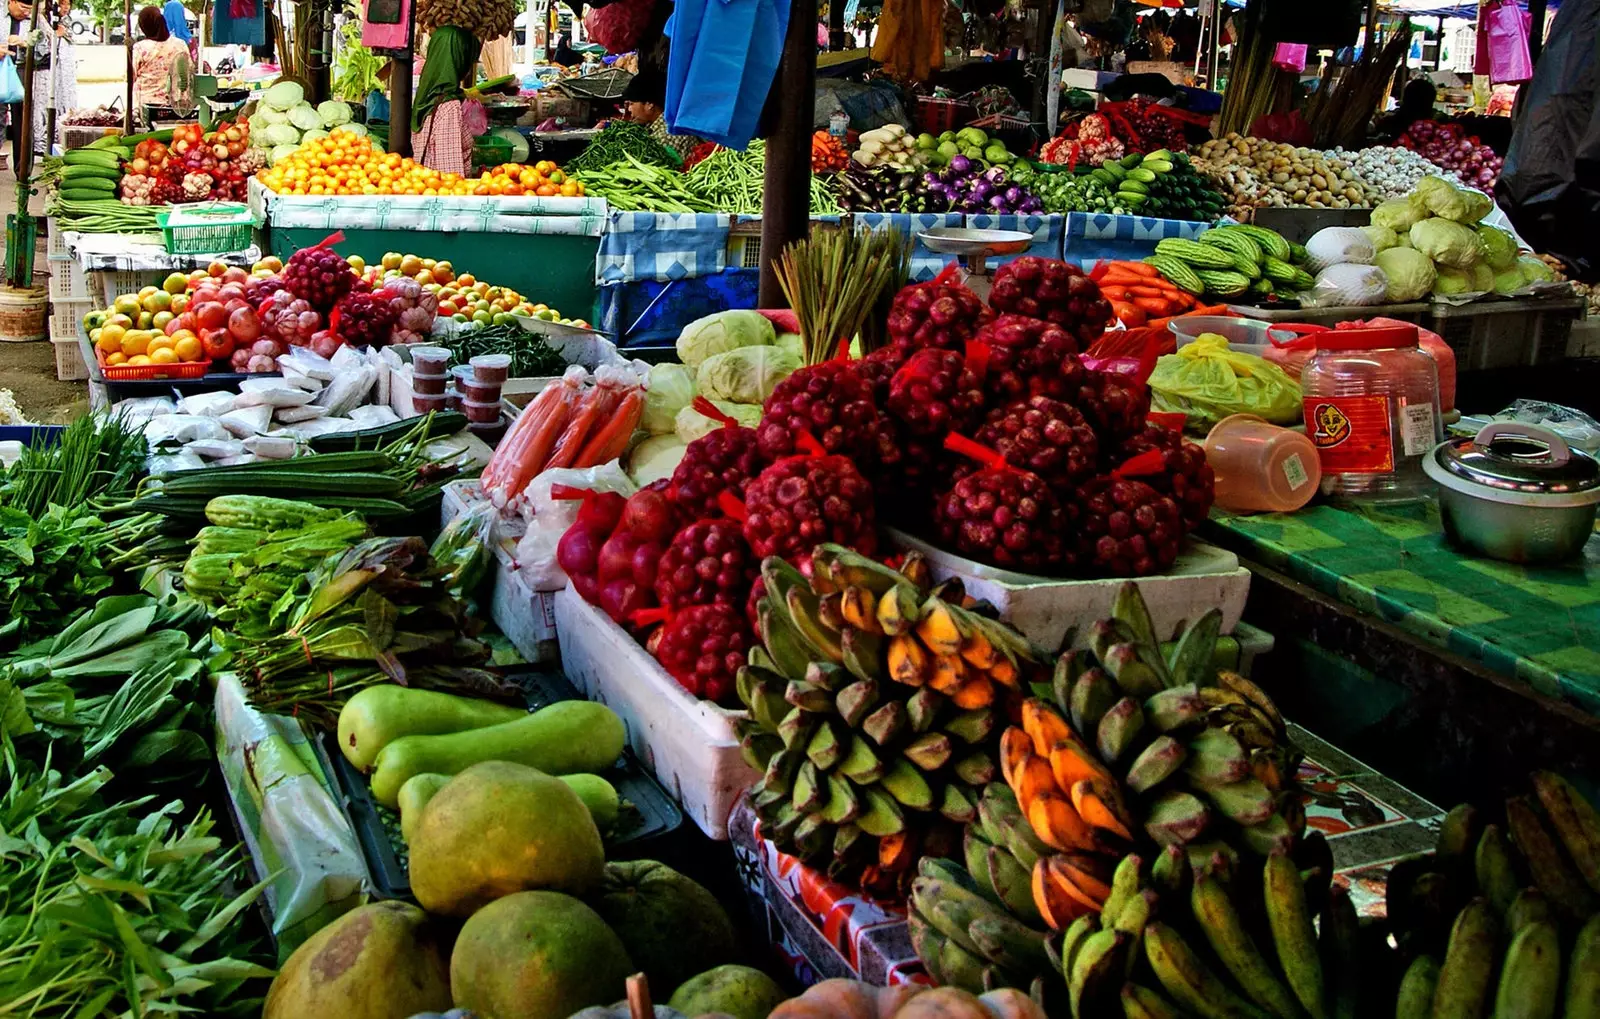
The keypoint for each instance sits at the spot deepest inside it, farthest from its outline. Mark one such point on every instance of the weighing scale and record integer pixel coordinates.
(974, 248)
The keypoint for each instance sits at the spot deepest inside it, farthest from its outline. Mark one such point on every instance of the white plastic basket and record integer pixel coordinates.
(69, 358)
(67, 282)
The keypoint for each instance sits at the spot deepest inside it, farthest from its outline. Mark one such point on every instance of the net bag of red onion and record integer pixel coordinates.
(939, 313)
(1000, 514)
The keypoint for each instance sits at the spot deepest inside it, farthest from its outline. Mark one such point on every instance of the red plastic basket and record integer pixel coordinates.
(136, 372)
(937, 115)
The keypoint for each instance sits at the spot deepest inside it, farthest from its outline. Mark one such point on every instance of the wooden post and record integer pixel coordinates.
(786, 199)
(1536, 15)
(1043, 31)
(24, 167)
(1372, 25)
(127, 46)
(400, 87)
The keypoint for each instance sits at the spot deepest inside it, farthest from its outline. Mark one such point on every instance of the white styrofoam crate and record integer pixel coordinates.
(687, 743)
(1045, 609)
(527, 617)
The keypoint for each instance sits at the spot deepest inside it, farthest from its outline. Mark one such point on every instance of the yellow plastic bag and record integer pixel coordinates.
(1206, 382)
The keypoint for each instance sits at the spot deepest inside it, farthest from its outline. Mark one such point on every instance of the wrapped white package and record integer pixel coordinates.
(272, 447)
(215, 449)
(141, 409)
(183, 460)
(350, 389)
(311, 365)
(243, 422)
(309, 412)
(279, 395)
(374, 415)
(208, 404)
(315, 427)
(182, 428)
(238, 461)
(298, 379)
(385, 383)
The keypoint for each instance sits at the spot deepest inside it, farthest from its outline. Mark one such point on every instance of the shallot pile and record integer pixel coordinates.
(1451, 148)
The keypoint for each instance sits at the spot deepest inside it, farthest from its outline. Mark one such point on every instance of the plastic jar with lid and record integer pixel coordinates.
(1372, 411)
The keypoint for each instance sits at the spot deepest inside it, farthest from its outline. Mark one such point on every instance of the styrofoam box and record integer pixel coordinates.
(1045, 609)
(527, 617)
(687, 743)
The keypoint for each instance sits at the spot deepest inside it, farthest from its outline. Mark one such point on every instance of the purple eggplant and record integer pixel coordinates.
(960, 164)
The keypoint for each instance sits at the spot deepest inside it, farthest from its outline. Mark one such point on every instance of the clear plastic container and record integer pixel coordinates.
(1372, 411)
(1260, 466)
(430, 360)
(491, 367)
(1249, 335)
(428, 385)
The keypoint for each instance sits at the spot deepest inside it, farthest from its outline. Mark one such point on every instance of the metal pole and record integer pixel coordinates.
(786, 199)
(127, 46)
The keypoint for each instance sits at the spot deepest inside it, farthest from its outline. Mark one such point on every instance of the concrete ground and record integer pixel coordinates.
(29, 369)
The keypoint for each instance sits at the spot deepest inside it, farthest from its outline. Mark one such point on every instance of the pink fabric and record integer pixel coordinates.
(442, 144)
(152, 70)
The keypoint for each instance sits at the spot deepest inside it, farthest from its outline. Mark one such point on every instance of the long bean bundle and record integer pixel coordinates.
(105, 216)
(735, 182)
(619, 141)
(641, 187)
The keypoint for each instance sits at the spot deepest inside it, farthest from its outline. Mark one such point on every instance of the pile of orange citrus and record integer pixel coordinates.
(543, 178)
(346, 163)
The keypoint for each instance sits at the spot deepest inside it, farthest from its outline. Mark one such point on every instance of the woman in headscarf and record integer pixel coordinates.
(154, 58)
(441, 142)
(178, 28)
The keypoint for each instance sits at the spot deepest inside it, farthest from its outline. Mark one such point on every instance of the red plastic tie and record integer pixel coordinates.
(843, 353)
(337, 237)
(948, 276)
(705, 407)
(978, 352)
(1149, 462)
(808, 444)
(645, 617)
(1173, 421)
(1147, 360)
(570, 492)
(732, 505)
(983, 454)
(333, 321)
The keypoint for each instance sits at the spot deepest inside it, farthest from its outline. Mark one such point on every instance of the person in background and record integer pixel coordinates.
(1416, 103)
(441, 141)
(178, 28)
(17, 28)
(563, 53)
(154, 58)
(644, 100)
(65, 62)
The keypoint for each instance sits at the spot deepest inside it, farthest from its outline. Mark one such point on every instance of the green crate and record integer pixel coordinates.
(206, 228)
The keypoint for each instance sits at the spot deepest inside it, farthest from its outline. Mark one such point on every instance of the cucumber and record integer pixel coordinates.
(563, 739)
(1131, 160)
(1142, 175)
(90, 157)
(77, 194)
(444, 423)
(1158, 165)
(87, 171)
(1114, 168)
(108, 187)
(105, 141)
(1158, 156)
(1136, 187)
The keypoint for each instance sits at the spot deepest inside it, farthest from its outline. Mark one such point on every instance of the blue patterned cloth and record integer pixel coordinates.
(1097, 237)
(662, 246)
(1049, 231)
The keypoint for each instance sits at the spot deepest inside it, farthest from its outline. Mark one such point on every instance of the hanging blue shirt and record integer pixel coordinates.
(720, 68)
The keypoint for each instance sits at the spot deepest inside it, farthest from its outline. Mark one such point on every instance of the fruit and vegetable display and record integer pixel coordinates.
(1391, 172)
(963, 185)
(345, 162)
(1237, 264)
(1257, 172)
(1158, 183)
(1089, 139)
(970, 143)
(283, 119)
(193, 165)
(621, 141)
(543, 178)
(1450, 148)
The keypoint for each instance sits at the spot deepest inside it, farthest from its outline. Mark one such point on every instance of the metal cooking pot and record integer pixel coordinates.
(1516, 492)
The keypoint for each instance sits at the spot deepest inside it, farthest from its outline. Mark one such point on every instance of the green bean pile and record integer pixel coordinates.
(736, 180)
(618, 141)
(638, 187)
(105, 216)
(531, 357)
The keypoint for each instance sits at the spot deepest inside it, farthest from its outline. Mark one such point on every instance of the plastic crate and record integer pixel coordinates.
(206, 228)
(68, 282)
(56, 241)
(934, 116)
(146, 372)
(106, 286)
(66, 317)
(69, 358)
(654, 814)
(1507, 334)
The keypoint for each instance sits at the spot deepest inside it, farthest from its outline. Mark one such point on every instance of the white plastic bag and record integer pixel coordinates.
(272, 447)
(182, 428)
(215, 449)
(183, 460)
(208, 404)
(1335, 244)
(303, 361)
(1345, 286)
(549, 518)
(140, 410)
(247, 421)
(309, 412)
(279, 395)
(373, 416)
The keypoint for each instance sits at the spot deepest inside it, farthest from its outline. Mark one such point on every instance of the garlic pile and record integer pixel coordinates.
(1392, 172)
(1258, 172)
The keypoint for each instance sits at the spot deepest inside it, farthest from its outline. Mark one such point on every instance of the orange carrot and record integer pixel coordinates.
(1151, 291)
(1114, 292)
(610, 439)
(1139, 268)
(1128, 314)
(547, 417)
(1115, 277)
(592, 410)
(1153, 305)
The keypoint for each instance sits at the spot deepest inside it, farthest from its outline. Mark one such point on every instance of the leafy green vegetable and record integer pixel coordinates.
(48, 568)
(98, 454)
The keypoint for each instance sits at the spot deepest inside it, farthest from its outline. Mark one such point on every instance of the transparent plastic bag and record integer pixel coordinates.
(463, 549)
(549, 518)
(1206, 382)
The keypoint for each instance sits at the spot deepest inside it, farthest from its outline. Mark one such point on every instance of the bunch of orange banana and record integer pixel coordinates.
(868, 764)
(1146, 744)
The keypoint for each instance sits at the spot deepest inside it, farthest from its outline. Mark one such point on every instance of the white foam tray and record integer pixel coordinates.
(1045, 609)
(687, 743)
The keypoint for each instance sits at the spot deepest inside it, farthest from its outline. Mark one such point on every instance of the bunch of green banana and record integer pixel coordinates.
(867, 767)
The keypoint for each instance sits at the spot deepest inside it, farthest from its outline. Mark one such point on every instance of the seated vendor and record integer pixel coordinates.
(644, 100)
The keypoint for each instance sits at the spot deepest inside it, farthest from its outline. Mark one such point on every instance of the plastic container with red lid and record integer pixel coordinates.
(1371, 400)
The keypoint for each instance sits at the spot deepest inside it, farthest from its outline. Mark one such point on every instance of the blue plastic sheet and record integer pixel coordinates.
(649, 313)
(720, 69)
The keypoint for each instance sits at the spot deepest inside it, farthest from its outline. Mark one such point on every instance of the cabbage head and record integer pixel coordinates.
(1400, 214)
(1482, 277)
(745, 375)
(281, 152)
(692, 424)
(1448, 243)
(334, 113)
(1428, 185)
(281, 134)
(668, 388)
(1534, 270)
(722, 332)
(1500, 248)
(1509, 280)
(316, 134)
(1410, 273)
(1461, 205)
(795, 344)
(1451, 281)
(305, 118)
(1382, 237)
(284, 95)
(655, 458)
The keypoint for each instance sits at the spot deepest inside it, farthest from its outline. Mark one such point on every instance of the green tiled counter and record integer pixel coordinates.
(1540, 626)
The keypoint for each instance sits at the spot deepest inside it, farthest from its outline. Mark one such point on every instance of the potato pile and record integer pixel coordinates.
(488, 19)
(1258, 173)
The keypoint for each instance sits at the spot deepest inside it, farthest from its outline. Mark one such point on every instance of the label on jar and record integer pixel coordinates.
(1294, 472)
(1352, 434)
(1416, 428)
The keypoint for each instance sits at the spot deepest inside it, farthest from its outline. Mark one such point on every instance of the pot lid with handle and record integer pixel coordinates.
(1521, 458)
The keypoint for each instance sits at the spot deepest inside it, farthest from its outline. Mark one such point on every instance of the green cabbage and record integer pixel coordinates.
(269, 115)
(281, 134)
(1508, 280)
(668, 388)
(692, 424)
(1461, 205)
(281, 152)
(722, 332)
(1534, 270)
(795, 344)
(1500, 248)
(655, 458)
(305, 118)
(1451, 281)
(1410, 273)
(1401, 214)
(1427, 186)
(359, 130)
(1482, 277)
(316, 134)
(745, 375)
(1448, 243)
(1383, 238)
(334, 113)
(284, 95)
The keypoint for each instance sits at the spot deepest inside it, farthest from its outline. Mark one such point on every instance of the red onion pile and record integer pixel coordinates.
(1453, 149)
